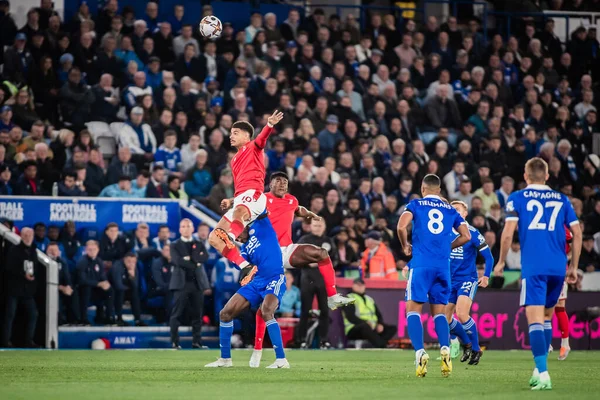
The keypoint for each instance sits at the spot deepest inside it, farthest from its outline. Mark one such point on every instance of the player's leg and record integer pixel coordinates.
(219, 239)
(416, 294)
(533, 297)
(259, 337)
(463, 312)
(439, 293)
(268, 308)
(234, 307)
(453, 323)
(563, 323)
(307, 255)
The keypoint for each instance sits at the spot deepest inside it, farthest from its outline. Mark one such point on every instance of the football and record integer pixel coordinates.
(211, 27)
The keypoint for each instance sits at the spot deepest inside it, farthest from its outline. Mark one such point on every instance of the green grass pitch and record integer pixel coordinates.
(370, 375)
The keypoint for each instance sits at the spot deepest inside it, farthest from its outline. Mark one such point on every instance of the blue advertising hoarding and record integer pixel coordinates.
(91, 213)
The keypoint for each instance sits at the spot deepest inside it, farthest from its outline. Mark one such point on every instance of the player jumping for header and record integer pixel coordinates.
(433, 220)
(463, 266)
(283, 208)
(265, 290)
(541, 215)
(248, 169)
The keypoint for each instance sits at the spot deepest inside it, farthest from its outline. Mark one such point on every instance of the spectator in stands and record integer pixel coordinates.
(162, 238)
(163, 44)
(138, 136)
(363, 320)
(29, 184)
(330, 136)
(17, 61)
(486, 194)
(71, 187)
(181, 41)
(168, 155)
(121, 166)
(157, 187)
(133, 93)
(161, 270)
(222, 190)
(21, 272)
(75, 100)
(6, 188)
(125, 280)
(113, 246)
(453, 178)
(377, 260)
(590, 260)
(94, 285)
(290, 302)
(175, 190)
(189, 64)
(199, 180)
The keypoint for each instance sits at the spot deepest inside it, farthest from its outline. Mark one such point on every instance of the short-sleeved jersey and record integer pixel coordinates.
(248, 168)
(281, 213)
(542, 215)
(262, 249)
(432, 235)
(463, 259)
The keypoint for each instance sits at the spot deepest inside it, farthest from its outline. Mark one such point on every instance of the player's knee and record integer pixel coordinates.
(463, 315)
(268, 315)
(225, 315)
(213, 240)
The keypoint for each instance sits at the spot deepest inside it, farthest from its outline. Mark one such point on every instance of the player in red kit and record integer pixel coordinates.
(248, 170)
(283, 208)
(561, 312)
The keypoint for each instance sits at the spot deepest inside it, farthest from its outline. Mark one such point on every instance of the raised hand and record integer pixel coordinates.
(275, 118)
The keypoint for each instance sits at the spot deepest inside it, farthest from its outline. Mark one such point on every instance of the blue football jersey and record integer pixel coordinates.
(542, 214)
(432, 235)
(262, 249)
(463, 259)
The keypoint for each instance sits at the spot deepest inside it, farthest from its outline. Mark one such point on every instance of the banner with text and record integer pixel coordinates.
(90, 213)
(502, 324)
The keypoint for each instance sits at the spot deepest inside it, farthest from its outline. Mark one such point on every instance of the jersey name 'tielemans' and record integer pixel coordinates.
(434, 204)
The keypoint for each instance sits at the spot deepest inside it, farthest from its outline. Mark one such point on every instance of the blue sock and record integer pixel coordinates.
(470, 329)
(415, 330)
(539, 348)
(457, 329)
(225, 332)
(442, 330)
(452, 336)
(275, 335)
(548, 332)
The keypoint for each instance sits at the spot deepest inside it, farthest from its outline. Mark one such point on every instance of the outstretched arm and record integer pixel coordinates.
(308, 215)
(263, 136)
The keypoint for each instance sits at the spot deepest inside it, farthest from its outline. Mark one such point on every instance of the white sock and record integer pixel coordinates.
(564, 342)
(418, 354)
(536, 373)
(444, 348)
(455, 340)
(544, 376)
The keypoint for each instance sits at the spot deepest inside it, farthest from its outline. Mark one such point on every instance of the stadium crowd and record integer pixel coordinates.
(367, 115)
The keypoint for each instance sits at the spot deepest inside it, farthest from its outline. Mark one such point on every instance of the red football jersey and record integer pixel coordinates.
(248, 165)
(281, 213)
(248, 169)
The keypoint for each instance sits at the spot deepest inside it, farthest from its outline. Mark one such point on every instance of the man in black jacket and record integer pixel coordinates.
(161, 270)
(121, 165)
(94, 285)
(124, 278)
(21, 286)
(312, 284)
(113, 246)
(363, 320)
(68, 305)
(157, 188)
(189, 283)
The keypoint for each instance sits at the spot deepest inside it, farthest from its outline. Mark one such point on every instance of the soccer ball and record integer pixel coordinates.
(211, 27)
